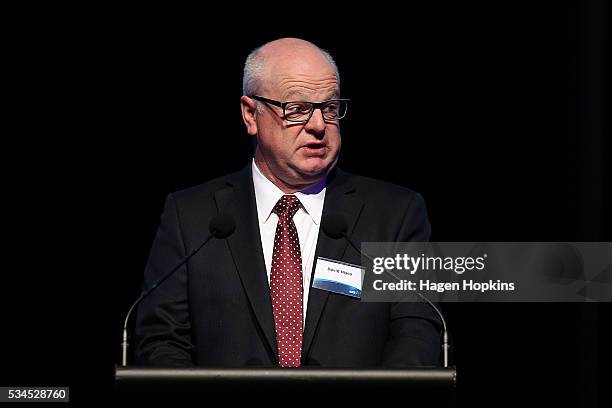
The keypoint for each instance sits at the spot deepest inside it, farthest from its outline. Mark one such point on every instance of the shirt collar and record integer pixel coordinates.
(267, 195)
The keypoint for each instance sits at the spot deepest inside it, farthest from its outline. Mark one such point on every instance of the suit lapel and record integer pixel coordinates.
(338, 199)
(238, 201)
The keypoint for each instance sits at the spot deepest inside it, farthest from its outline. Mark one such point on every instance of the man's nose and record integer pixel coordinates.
(316, 123)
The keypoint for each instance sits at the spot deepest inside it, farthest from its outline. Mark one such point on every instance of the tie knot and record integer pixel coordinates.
(287, 206)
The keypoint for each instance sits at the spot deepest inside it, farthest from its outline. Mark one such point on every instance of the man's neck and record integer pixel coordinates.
(281, 184)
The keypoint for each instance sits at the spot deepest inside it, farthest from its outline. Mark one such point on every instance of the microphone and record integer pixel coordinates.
(334, 226)
(220, 227)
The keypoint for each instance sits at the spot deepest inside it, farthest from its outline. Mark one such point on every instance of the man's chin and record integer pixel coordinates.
(315, 169)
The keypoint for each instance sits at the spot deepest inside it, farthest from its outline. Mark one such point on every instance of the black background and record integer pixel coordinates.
(494, 112)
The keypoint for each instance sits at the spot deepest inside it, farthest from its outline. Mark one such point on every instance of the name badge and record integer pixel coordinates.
(338, 277)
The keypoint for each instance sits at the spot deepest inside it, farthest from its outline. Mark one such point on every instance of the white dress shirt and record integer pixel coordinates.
(307, 221)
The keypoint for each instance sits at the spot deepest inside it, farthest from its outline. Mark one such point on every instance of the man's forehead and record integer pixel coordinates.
(310, 70)
(328, 92)
(300, 84)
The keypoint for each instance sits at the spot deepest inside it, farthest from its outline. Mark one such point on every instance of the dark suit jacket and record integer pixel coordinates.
(216, 311)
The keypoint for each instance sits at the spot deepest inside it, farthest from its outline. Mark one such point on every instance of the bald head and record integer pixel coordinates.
(267, 63)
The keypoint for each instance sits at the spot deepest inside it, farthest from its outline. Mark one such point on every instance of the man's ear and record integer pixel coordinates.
(249, 111)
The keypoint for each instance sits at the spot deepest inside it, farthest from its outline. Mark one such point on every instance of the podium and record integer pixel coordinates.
(140, 384)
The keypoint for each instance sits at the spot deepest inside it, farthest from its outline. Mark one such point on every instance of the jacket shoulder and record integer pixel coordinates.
(371, 188)
(205, 190)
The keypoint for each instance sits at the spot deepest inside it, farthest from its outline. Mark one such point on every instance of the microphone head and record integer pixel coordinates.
(222, 226)
(334, 225)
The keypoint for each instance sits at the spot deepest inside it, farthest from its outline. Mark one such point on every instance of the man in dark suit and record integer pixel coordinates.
(248, 299)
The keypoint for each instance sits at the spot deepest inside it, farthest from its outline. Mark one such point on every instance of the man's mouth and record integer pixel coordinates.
(314, 148)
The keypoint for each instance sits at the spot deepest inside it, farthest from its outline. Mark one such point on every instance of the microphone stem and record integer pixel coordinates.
(124, 346)
(439, 313)
(445, 346)
(124, 343)
(350, 241)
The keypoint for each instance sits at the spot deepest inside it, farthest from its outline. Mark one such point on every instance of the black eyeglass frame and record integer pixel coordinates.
(315, 105)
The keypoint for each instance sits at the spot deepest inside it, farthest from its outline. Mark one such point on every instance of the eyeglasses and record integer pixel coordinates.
(301, 112)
